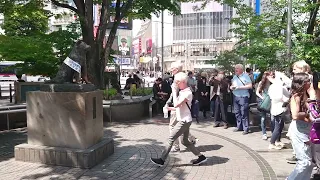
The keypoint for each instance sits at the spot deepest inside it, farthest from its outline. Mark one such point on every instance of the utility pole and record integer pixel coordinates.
(289, 26)
(162, 44)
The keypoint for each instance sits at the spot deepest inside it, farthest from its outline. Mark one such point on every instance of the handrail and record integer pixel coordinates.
(20, 106)
(12, 111)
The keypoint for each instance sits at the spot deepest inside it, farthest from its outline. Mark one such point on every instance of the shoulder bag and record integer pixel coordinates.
(265, 104)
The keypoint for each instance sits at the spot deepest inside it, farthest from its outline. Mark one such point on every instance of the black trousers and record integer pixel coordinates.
(221, 108)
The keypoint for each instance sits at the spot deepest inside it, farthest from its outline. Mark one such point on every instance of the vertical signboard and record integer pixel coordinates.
(149, 46)
(124, 44)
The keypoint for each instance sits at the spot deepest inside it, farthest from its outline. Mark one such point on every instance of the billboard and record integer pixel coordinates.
(195, 7)
(124, 44)
(201, 19)
(125, 23)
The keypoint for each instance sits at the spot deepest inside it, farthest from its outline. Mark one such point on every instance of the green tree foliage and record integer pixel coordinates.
(37, 55)
(26, 39)
(25, 19)
(226, 61)
(262, 38)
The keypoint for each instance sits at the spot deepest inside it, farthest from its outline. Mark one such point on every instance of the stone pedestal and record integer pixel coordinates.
(65, 128)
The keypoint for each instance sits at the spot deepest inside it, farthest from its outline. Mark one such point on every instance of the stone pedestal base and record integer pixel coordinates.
(65, 129)
(58, 156)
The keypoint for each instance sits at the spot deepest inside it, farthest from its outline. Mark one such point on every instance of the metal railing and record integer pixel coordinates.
(9, 88)
(12, 109)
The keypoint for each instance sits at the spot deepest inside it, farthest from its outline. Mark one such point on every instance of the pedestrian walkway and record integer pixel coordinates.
(231, 156)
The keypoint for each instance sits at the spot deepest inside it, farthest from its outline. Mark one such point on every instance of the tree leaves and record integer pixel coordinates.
(26, 19)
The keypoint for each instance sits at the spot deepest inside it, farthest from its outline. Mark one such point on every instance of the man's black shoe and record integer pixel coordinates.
(159, 162)
(201, 159)
(216, 125)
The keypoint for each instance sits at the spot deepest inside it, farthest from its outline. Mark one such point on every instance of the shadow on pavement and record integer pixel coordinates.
(211, 161)
(10, 139)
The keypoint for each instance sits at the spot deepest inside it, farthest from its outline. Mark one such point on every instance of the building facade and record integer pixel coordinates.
(199, 35)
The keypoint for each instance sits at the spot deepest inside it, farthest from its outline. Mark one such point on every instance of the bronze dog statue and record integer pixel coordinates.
(73, 66)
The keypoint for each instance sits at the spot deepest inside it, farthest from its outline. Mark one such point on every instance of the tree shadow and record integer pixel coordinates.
(8, 140)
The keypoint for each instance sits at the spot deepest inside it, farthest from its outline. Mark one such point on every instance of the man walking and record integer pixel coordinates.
(241, 83)
(176, 67)
(184, 118)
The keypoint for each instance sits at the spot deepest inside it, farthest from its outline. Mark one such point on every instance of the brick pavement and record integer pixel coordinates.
(232, 156)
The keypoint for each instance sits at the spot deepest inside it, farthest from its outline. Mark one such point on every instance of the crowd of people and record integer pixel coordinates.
(279, 96)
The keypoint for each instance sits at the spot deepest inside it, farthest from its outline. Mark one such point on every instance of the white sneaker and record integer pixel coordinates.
(273, 146)
(175, 149)
(279, 143)
(264, 137)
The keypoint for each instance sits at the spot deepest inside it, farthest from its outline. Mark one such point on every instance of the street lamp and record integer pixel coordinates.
(289, 25)
(162, 44)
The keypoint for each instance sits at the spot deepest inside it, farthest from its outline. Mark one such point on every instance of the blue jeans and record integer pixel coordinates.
(263, 119)
(263, 122)
(220, 109)
(300, 144)
(241, 111)
(212, 106)
(277, 125)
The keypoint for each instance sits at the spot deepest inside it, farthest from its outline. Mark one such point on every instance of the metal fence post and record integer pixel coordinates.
(8, 122)
(10, 91)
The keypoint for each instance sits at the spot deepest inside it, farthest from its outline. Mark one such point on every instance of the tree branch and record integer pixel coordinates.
(104, 19)
(312, 19)
(55, 2)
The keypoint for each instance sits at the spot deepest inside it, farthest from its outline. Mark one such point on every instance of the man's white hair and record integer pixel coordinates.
(176, 65)
(181, 77)
(240, 66)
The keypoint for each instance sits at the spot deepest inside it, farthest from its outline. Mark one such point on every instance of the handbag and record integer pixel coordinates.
(315, 133)
(265, 104)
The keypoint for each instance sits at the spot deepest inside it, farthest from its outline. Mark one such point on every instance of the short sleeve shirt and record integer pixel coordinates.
(183, 112)
(241, 80)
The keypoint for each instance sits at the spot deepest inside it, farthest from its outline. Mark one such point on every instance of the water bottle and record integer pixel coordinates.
(165, 112)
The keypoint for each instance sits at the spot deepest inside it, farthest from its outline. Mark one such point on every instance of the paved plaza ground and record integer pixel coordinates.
(231, 156)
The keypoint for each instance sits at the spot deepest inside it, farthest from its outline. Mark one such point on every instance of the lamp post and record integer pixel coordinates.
(162, 43)
(289, 26)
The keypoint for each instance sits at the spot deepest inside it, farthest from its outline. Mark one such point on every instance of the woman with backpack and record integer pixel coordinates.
(300, 127)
